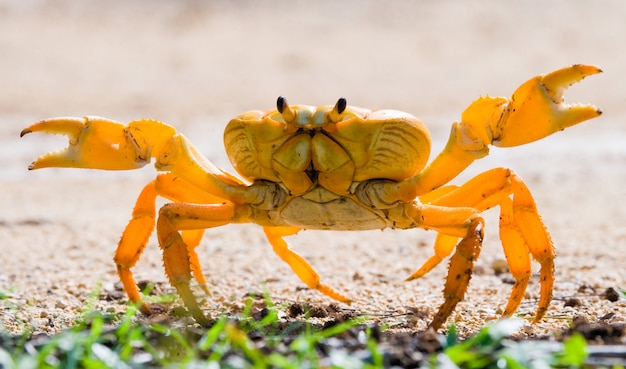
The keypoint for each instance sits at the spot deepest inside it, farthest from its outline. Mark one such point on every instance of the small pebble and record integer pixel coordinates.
(573, 302)
(500, 266)
(610, 294)
(60, 304)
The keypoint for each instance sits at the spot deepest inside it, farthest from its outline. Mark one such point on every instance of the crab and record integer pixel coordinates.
(334, 167)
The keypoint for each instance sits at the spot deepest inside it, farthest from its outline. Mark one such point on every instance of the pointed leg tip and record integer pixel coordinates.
(541, 312)
(145, 309)
(414, 276)
(25, 131)
(203, 322)
(437, 323)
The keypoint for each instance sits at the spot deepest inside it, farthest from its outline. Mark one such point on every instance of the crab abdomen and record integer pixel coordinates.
(323, 210)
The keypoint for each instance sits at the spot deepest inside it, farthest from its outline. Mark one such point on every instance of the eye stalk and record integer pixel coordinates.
(311, 117)
(335, 114)
(289, 115)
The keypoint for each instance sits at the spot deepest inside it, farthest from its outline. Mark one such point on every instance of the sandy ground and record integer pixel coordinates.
(196, 64)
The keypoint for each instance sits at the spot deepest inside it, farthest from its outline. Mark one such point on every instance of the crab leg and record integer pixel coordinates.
(141, 225)
(539, 243)
(297, 263)
(444, 244)
(183, 216)
(175, 217)
(521, 230)
(133, 242)
(100, 143)
(460, 272)
(455, 222)
(443, 247)
(452, 196)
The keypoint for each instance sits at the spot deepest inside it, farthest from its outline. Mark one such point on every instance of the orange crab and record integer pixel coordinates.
(334, 168)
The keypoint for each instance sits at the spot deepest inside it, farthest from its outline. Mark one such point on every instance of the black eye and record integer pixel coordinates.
(341, 105)
(281, 103)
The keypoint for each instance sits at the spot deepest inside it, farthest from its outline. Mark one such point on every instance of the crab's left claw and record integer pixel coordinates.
(535, 110)
(100, 143)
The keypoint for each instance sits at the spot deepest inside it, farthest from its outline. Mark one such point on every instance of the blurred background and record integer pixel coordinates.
(198, 63)
(191, 60)
(195, 64)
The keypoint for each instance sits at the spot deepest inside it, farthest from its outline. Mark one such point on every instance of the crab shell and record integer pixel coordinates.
(319, 162)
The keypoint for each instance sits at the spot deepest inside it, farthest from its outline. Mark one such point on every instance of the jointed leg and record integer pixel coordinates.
(444, 245)
(537, 239)
(141, 225)
(178, 190)
(521, 230)
(176, 260)
(460, 272)
(453, 222)
(479, 193)
(134, 241)
(192, 238)
(297, 263)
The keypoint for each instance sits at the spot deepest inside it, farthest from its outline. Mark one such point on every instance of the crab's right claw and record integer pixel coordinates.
(537, 110)
(98, 143)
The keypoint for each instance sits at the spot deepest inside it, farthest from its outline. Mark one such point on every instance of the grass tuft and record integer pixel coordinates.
(265, 339)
